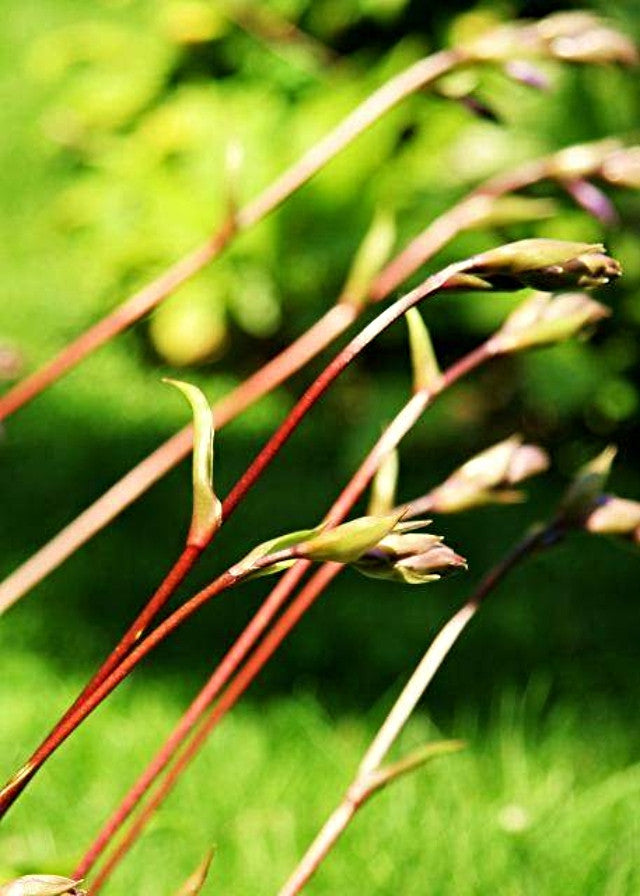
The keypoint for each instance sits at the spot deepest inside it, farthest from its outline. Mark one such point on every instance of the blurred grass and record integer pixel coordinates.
(545, 687)
(543, 800)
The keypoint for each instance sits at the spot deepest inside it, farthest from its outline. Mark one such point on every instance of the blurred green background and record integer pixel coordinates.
(117, 119)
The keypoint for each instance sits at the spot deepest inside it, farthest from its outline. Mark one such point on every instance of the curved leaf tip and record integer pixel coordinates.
(207, 511)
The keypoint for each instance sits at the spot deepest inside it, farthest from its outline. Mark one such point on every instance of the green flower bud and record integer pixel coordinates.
(41, 885)
(615, 516)
(545, 264)
(487, 477)
(544, 320)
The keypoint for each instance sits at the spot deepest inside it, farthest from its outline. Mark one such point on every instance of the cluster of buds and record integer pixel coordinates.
(378, 545)
(42, 885)
(489, 477)
(544, 264)
(572, 37)
(410, 557)
(543, 319)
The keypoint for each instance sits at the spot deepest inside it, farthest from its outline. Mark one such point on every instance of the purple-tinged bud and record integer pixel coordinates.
(488, 477)
(412, 558)
(543, 319)
(42, 885)
(592, 200)
(622, 168)
(545, 264)
(526, 73)
(614, 516)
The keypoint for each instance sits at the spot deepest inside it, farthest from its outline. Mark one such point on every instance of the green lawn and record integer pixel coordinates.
(543, 800)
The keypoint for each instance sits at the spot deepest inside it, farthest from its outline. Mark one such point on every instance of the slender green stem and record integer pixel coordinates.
(365, 782)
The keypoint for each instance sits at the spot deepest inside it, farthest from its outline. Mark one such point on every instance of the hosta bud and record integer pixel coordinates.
(41, 885)
(585, 491)
(409, 557)
(545, 264)
(487, 478)
(544, 320)
(622, 168)
(615, 516)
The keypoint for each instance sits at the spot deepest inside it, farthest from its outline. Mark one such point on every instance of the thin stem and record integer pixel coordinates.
(74, 717)
(340, 362)
(365, 781)
(170, 453)
(391, 437)
(363, 116)
(258, 659)
(329, 327)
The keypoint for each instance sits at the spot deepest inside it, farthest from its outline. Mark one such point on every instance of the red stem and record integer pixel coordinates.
(333, 323)
(362, 117)
(393, 434)
(171, 452)
(11, 791)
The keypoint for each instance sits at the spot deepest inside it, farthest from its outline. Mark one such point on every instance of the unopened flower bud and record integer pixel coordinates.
(615, 516)
(544, 320)
(622, 168)
(412, 558)
(545, 264)
(41, 885)
(488, 477)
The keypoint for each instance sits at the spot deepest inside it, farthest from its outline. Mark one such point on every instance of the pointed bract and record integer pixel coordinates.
(426, 371)
(207, 510)
(586, 488)
(383, 487)
(369, 259)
